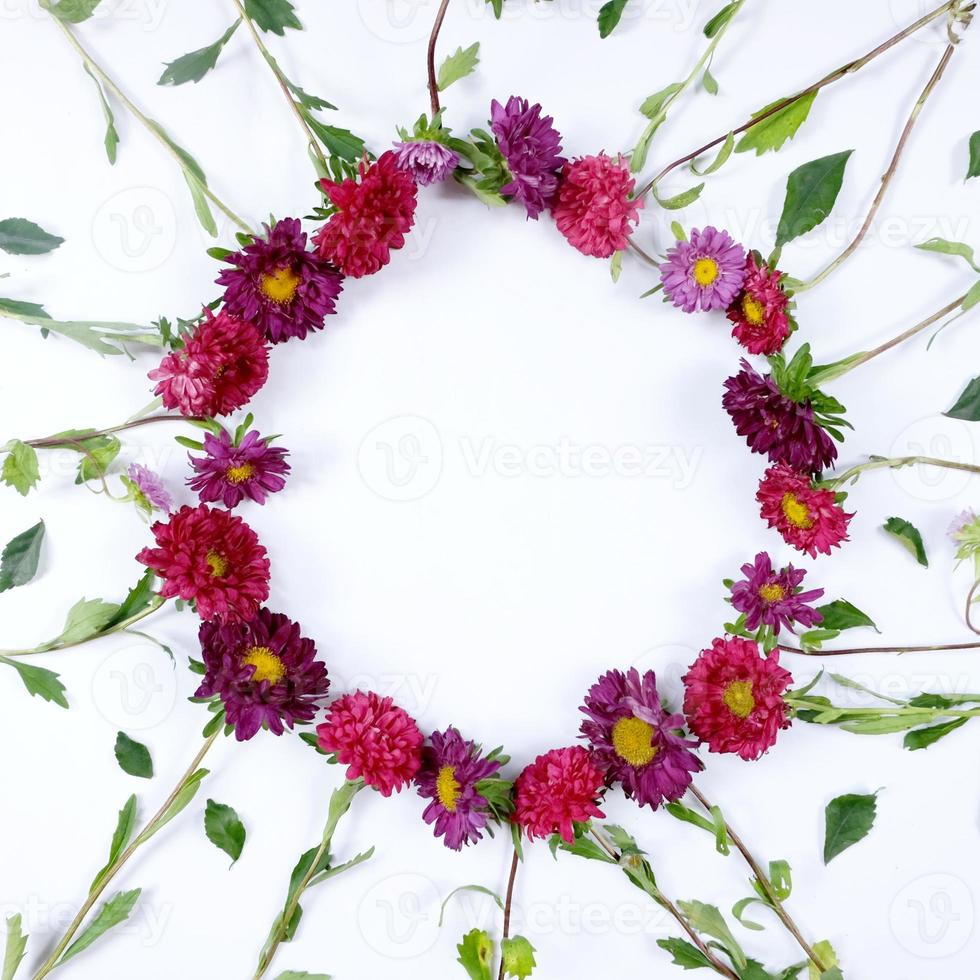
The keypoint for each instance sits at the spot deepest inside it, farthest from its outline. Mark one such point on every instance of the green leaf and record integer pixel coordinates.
(192, 67)
(18, 564)
(843, 615)
(39, 681)
(781, 879)
(469, 888)
(301, 975)
(946, 247)
(653, 105)
(112, 913)
(87, 618)
(201, 207)
(828, 957)
(20, 469)
(973, 168)
(709, 82)
(518, 957)
(14, 952)
(720, 19)
(909, 536)
(609, 16)
(133, 757)
(125, 825)
(685, 954)
(849, 819)
(224, 829)
(922, 738)
(111, 139)
(720, 160)
(140, 596)
(738, 911)
(476, 954)
(773, 131)
(99, 453)
(18, 236)
(340, 142)
(681, 200)
(967, 406)
(969, 301)
(811, 191)
(707, 920)
(458, 65)
(273, 15)
(74, 11)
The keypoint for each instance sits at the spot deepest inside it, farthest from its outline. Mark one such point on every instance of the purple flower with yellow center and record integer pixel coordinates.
(265, 672)
(635, 741)
(233, 470)
(279, 285)
(774, 598)
(704, 273)
(428, 161)
(151, 487)
(452, 769)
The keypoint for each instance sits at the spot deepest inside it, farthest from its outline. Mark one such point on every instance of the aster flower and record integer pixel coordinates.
(265, 672)
(809, 518)
(280, 286)
(532, 148)
(377, 741)
(557, 790)
(372, 217)
(773, 424)
(148, 489)
(212, 559)
(773, 598)
(231, 471)
(704, 273)
(451, 772)
(759, 311)
(428, 161)
(733, 697)
(635, 741)
(960, 526)
(593, 209)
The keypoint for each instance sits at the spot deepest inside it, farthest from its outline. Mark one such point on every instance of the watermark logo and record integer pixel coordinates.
(398, 917)
(938, 437)
(932, 917)
(401, 459)
(135, 230)
(135, 688)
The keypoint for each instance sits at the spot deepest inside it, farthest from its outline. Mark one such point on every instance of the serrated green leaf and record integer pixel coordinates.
(811, 192)
(18, 564)
(685, 954)
(18, 236)
(946, 247)
(39, 681)
(967, 406)
(273, 15)
(87, 618)
(849, 818)
(459, 64)
(133, 757)
(922, 738)
(827, 955)
(476, 954)
(842, 615)
(224, 829)
(192, 67)
(125, 825)
(338, 141)
(908, 534)
(518, 957)
(973, 167)
(20, 469)
(74, 11)
(14, 950)
(139, 597)
(112, 913)
(773, 131)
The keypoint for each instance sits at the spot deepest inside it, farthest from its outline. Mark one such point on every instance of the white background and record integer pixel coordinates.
(495, 595)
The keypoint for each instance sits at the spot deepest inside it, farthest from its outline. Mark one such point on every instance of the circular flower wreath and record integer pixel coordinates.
(260, 673)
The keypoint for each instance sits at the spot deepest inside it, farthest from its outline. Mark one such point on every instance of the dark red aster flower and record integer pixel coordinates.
(212, 559)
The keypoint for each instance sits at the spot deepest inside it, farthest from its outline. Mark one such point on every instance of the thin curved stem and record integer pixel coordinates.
(508, 903)
(649, 259)
(969, 604)
(881, 649)
(896, 462)
(57, 442)
(430, 58)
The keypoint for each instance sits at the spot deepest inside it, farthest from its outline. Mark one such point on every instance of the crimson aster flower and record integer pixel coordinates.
(593, 209)
(373, 214)
(759, 311)
(279, 285)
(635, 741)
(428, 161)
(231, 471)
(531, 146)
(774, 598)
(210, 558)
(733, 697)
(704, 273)
(809, 518)
(265, 672)
(557, 790)
(450, 773)
(377, 741)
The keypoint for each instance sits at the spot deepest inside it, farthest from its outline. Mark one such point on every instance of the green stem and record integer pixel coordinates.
(895, 462)
(508, 903)
(928, 714)
(430, 58)
(59, 442)
(882, 649)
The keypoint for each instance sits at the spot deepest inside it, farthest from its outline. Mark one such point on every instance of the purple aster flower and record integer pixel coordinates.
(774, 598)
(231, 472)
(265, 672)
(532, 148)
(635, 741)
(426, 160)
(776, 425)
(451, 769)
(280, 286)
(705, 273)
(959, 524)
(151, 485)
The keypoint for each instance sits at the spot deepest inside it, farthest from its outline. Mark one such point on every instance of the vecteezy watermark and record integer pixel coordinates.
(147, 13)
(939, 437)
(148, 921)
(135, 230)
(932, 917)
(401, 459)
(399, 915)
(135, 687)
(413, 692)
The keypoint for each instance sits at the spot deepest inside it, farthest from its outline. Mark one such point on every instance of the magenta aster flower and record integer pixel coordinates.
(532, 148)
(428, 161)
(451, 771)
(231, 472)
(151, 486)
(774, 598)
(265, 672)
(759, 311)
(279, 285)
(556, 791)
(635, 741)
(704, 273)
(786, 430)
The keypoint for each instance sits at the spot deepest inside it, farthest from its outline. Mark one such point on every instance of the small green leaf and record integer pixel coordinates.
(476, 954)
(14, 951)
(828, 957)
(74, 11)
(20, 469)
(18, 564)
(201, 207)
(811, 191)
(18, 236)
(708, 920)
(922, 738)
(681, 200)
(518, 957)
(973, 169)
(909, 536)
(720, 19)
(609, 16)
(967, 406)
(192, 67)
(709, 82)
(685, 954)
(842, 615)
(111, 139)
(87, 618)
(653, 105)
(224, 829)
(469, 888)
(39, 681)
(773, 131)
(340, 142)
(459, 64)
(125, 825)
(720, 160)
(273, 15)
(112, 913)
(133, 757)
(946, 247)
(184, 796)
(139, 597)
(849, 818)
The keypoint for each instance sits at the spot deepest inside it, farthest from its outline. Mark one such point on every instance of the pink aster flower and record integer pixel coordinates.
(557, 790)
(733, 697)
(774, 598)
(704, 273)
(809, 518)
(230, 472)
(593, 209)
(152, 487)
(377, 741)
(759, 311)
(428, 161)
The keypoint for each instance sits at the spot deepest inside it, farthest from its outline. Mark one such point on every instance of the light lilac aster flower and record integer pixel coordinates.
(959, 523)
(704, 273)
(426, 160)
(231, 472)
(774, 598)
(151, 485)
(635, 741)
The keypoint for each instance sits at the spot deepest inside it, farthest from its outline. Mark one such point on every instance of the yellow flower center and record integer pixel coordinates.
(705, 271)
(754, 311)
(447, 788)
(632, 739)
(738, 697)
(240, 473)
(797, 513)
(772, 592)
(280, 285)
(268, 667)
(218, 563)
